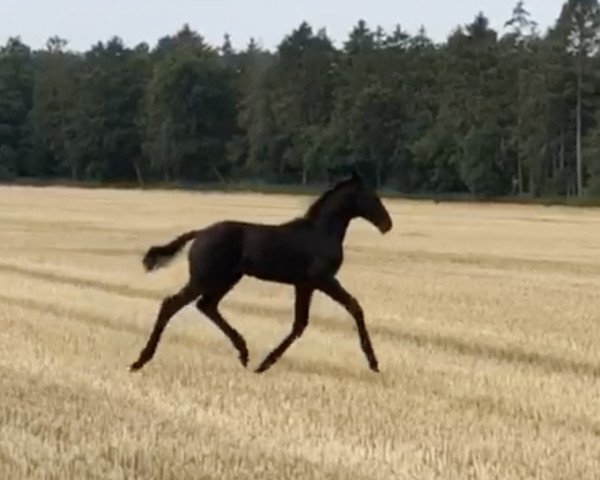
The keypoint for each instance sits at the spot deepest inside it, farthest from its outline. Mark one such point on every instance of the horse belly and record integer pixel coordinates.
(276, 268)
(292, 262)
(271, 258)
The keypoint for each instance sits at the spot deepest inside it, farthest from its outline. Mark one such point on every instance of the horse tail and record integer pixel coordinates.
(159, 256)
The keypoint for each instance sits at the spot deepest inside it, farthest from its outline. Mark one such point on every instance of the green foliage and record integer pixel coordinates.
(16, 89)
(485, 113)
(189, 111)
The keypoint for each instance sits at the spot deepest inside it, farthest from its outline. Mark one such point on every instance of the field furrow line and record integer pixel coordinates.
(547, 362)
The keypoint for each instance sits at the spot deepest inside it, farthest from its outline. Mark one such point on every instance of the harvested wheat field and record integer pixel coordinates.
(485, 320)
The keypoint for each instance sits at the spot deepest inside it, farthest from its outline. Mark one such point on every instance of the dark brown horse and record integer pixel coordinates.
(305, 252)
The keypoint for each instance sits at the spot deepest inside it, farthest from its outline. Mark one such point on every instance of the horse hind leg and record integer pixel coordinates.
(302, 307)
(169, 307)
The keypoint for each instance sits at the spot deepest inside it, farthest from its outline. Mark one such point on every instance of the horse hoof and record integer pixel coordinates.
(134, 367)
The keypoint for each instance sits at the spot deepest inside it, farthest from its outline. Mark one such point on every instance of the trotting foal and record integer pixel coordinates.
(306, 252)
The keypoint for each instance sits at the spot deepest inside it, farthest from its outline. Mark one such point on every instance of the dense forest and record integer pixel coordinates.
(484, 113)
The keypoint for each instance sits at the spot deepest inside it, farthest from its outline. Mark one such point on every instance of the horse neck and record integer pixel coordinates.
(334, 217)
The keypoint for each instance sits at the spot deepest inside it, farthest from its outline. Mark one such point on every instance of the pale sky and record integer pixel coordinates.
(84, 22)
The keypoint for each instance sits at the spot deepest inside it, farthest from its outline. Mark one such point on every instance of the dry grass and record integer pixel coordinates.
(485, 320)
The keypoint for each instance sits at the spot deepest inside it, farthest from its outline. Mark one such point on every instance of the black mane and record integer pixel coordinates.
(315, 208)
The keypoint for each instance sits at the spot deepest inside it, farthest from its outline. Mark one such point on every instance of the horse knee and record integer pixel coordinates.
(300, 326)
(173, 303)
(354, 308)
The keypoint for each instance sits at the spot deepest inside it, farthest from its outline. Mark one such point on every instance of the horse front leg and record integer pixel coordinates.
(333, 289)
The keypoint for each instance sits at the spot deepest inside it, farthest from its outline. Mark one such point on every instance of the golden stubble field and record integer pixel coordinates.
(485, 319)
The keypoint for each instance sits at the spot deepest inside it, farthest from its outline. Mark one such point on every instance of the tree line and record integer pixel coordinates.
(482, 113)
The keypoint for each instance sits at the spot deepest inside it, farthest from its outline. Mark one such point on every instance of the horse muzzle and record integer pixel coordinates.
(385, 225)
